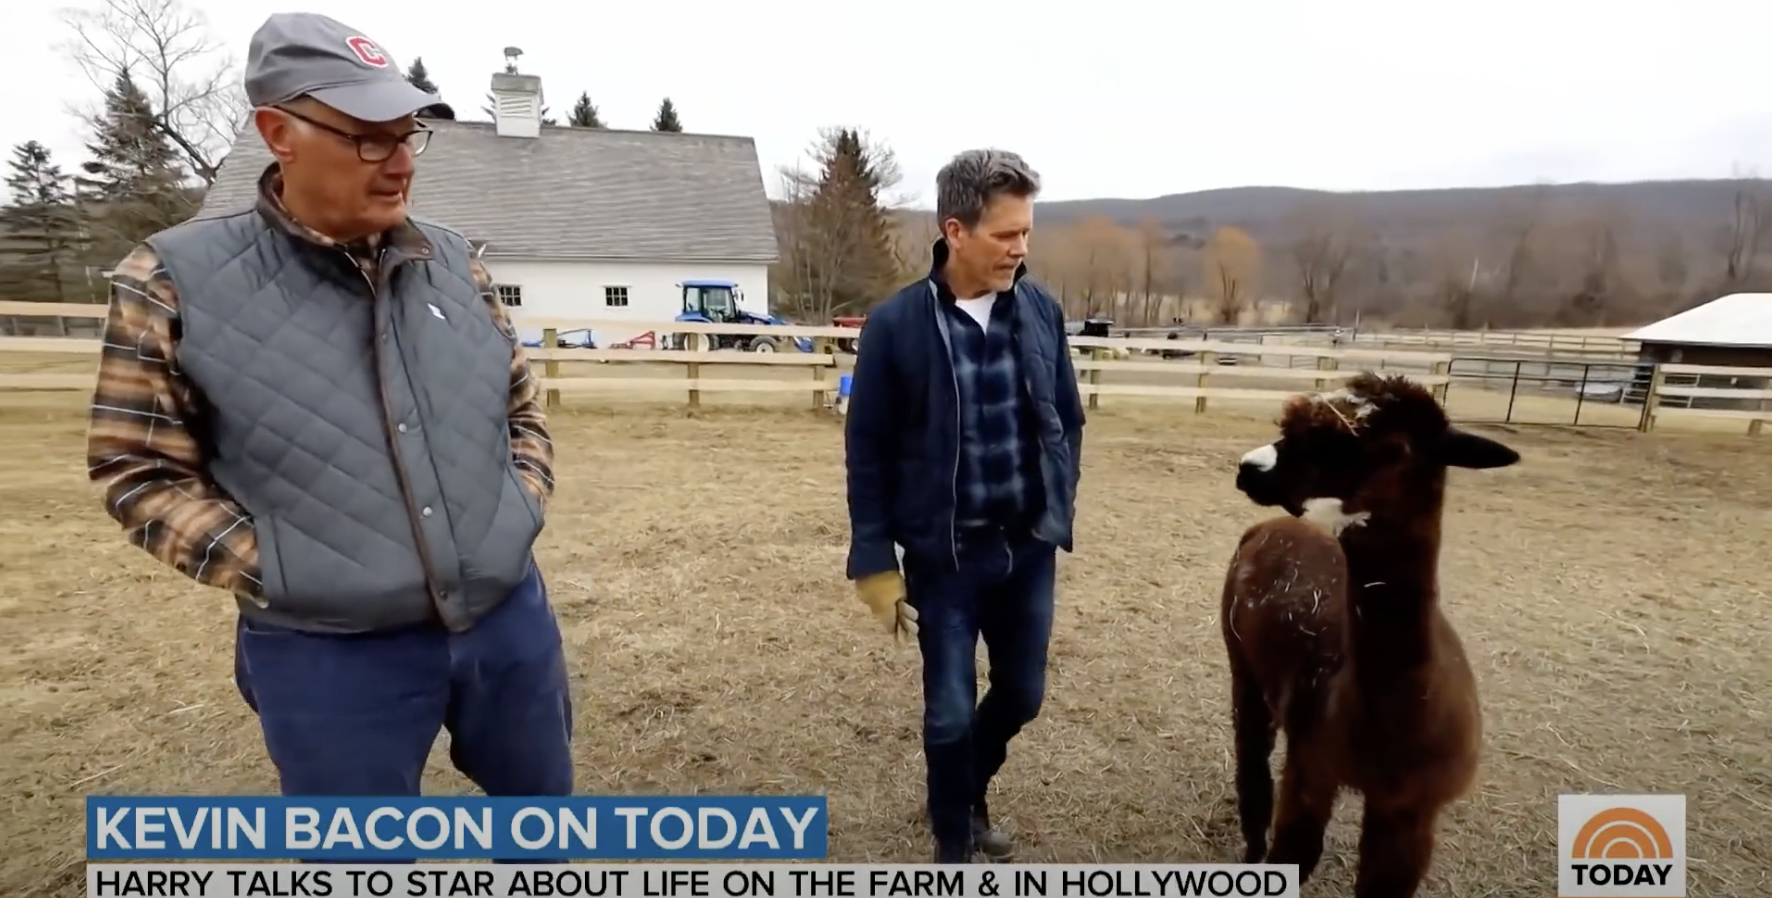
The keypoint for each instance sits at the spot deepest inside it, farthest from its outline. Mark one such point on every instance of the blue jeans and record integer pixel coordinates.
(358, 714)
(1002, 591)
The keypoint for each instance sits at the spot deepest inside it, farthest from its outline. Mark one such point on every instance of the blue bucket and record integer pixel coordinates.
(843, 383)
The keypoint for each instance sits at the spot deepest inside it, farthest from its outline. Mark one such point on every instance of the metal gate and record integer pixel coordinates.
(1567, 391)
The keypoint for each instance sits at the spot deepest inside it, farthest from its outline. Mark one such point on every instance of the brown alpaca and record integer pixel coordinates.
(1333, 626)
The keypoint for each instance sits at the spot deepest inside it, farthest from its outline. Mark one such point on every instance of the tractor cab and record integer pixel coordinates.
(716, 302)
(721, 302)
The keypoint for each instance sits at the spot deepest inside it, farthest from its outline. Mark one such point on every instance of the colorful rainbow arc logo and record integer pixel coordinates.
(1622, 834)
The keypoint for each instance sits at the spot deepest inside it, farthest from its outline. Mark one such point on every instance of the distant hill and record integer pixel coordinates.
(1569, 255)
(1263, 211)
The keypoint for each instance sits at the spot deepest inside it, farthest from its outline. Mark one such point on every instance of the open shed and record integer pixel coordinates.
(1732, 331)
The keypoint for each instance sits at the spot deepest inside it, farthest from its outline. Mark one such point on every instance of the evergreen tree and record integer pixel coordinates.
(136, 178)
(667, 117)
(41, 223)
(845, 209)
(584, 113)
(419, 76)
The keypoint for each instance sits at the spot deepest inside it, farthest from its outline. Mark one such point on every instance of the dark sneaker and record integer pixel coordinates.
(994, 845)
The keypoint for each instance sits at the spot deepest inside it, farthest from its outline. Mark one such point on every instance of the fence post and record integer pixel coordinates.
(694, 376)
(818, 390)
(1440, 368)
(1513, 393)
(1326, 363)
(1581, 392)
(1096, 354)
(1651, 400)
(1208, 358)
(550, 341)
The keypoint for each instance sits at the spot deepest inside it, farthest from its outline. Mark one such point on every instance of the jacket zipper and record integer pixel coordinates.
(954, 377)
(954, 482)
(393, 437)
(1027, 383)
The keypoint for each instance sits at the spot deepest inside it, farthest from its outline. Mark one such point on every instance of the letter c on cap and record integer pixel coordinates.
(366, 50)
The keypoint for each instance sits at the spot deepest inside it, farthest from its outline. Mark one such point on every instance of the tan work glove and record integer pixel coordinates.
(883, 593)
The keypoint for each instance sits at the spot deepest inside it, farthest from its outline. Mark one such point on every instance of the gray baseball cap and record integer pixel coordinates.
(303, 54)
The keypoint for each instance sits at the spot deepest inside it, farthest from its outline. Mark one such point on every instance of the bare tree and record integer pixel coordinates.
(791, 274)
(1321, 248)
(1745, 236)
(1048, 261)
(1232, 266)
(1106, 264)
(1673, 262)
(1595, 279)
(1182, 263)
(1512, 245)
(189, 78)
(1151, 240)
(913, 234)
(1454, 286)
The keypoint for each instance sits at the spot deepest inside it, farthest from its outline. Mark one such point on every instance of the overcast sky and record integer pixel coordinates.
(1105, 98)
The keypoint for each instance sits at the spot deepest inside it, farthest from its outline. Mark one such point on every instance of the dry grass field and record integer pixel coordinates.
(1611, 591)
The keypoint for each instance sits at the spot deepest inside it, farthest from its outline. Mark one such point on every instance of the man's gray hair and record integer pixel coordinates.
(972, 179)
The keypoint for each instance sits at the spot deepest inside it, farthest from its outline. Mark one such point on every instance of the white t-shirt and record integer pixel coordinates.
(979, 307)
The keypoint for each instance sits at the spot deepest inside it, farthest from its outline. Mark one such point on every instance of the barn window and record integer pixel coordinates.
(615, 297)
(510, 294)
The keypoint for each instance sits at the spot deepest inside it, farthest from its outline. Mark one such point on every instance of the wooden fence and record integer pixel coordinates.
(1534, 342)
(1747, 389)
(1131, 368)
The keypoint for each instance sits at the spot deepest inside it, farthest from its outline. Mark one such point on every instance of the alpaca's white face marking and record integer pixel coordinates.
(1327, 514)
(1263, 459)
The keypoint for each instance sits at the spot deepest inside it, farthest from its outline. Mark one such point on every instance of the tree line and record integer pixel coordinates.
(63, 230)
(168, 104)
(1538, 261)
(1532, 258)
(584, 113)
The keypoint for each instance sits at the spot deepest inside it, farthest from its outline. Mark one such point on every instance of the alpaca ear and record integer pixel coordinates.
(1463, 449)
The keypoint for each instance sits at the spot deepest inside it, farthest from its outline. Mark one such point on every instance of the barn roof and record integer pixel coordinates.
(572, 193)
(1739, 319)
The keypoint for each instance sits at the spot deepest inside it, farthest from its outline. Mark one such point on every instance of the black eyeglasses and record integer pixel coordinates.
(373, 147)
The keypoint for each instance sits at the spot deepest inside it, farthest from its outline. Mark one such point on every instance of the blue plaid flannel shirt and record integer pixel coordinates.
(996, 477)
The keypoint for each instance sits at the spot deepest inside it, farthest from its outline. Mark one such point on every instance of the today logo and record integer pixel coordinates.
(1621, 846)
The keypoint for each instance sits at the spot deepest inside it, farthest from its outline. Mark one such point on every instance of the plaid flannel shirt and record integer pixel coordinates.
(142, 442)
(994, 485)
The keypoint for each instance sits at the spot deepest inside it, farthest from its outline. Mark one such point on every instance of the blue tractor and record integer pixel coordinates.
(717, 302)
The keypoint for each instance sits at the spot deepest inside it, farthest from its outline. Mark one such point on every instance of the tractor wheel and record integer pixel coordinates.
(762, 344)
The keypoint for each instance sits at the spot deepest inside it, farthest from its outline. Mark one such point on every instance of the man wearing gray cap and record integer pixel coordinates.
(319, 405)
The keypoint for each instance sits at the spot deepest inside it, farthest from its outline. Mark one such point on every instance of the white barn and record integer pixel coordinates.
(579, 222)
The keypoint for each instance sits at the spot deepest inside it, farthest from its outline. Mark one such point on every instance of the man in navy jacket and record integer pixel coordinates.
(962, 443)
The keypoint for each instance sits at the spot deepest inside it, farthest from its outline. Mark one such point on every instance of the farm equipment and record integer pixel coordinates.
(1089, 327)
(574, 339)
(717, 302)
(848, 344)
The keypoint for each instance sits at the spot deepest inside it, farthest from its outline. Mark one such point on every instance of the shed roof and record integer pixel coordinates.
(572, 193)
(1739, 319)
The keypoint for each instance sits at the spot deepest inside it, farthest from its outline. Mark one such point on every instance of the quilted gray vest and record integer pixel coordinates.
(363, 430)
